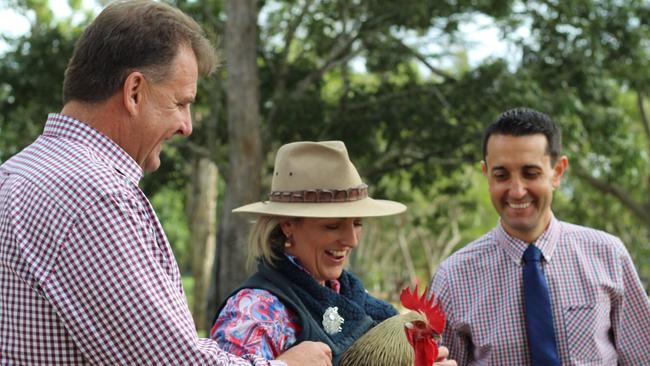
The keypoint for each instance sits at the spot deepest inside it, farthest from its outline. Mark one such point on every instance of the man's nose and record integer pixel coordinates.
(186, 127)
(517, 188)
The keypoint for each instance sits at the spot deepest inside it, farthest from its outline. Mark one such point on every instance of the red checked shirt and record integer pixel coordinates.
(601, 312)
(87, 275)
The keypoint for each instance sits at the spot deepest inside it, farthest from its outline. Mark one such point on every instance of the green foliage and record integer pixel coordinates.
(169, 204)
(415, 137)
(31, 77)
(588, 60)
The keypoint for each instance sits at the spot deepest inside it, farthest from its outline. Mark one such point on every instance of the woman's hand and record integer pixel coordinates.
(442, 360)
(308, 353)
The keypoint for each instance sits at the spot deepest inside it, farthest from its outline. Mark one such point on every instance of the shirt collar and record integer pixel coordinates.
(62, 126)
(514, 247)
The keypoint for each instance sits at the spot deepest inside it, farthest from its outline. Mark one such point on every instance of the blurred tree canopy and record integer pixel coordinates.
(412, 119)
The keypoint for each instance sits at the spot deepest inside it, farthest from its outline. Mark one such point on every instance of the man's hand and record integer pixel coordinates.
(308, 353)
(442, 360)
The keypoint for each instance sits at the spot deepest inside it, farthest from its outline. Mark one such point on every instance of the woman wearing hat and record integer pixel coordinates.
(302, 238)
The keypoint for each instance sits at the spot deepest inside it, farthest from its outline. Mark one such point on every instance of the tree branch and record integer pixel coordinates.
(388, 97)
(420, 57)
(642, 211)
(334, 59)
(431, 68)
(343, 41)
(396, 162)
(281, 71)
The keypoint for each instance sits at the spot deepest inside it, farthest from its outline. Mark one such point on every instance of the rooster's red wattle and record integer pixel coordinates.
(423, 335)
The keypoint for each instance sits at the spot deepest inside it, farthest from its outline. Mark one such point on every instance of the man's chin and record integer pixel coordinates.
(526, 231)
(151, 165)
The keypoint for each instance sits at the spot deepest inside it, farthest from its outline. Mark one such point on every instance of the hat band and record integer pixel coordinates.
(321, 195)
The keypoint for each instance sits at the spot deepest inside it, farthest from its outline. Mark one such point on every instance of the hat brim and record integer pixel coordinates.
(366, 207)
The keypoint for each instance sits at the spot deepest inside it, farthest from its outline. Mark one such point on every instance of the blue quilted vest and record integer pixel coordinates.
(309, 300)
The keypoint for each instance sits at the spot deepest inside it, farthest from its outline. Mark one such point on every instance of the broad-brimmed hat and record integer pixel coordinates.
(317, 179)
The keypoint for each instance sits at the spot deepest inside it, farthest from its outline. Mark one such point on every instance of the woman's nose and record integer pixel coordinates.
(350, 235)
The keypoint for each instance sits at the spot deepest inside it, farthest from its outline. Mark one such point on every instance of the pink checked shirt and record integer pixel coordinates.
(86, 273)
(600, 310)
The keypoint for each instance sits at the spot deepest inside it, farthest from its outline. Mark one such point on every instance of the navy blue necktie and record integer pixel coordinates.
(539, 317)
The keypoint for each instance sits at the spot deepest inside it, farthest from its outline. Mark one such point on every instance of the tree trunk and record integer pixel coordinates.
(202, 214)
(244, 143)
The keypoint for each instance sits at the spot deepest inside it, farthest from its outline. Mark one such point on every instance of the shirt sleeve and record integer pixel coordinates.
(118, 293)
(254, 321)
(631, 318)
(457, 342)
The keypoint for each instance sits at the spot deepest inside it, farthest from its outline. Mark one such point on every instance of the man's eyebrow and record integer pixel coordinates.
(532, 166)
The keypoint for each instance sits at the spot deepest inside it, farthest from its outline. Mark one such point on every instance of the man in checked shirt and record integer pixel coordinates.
(87, 276)
(600, 311)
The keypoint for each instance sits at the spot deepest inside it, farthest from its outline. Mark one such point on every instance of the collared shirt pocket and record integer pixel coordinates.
(586, 325)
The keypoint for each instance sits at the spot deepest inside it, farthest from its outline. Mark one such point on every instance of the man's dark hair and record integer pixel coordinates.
(523, 122)
(127, 36)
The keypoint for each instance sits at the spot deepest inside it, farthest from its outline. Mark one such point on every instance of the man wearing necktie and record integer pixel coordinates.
(535, 290)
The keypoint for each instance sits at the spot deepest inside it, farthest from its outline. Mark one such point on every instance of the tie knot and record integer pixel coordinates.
(532, 254)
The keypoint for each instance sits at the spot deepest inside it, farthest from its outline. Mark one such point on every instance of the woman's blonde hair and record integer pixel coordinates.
(266, 239)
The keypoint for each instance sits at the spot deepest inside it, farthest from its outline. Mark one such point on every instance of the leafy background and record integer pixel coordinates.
(392, 80)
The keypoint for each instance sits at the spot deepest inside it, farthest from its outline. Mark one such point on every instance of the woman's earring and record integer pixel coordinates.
(289, 242)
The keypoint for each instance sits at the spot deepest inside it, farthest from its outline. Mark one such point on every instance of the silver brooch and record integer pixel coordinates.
(332, 320)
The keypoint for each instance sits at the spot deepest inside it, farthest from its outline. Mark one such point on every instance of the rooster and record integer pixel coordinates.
(402, 340)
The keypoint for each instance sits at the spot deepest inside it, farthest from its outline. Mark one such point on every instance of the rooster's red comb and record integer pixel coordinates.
(434, 313)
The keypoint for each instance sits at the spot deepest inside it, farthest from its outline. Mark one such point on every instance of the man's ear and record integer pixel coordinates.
(560, 167)
(132, 92)
(484, 168)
